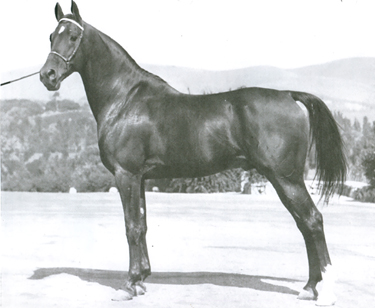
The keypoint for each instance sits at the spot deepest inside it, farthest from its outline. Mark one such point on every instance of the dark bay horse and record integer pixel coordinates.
(147, 130)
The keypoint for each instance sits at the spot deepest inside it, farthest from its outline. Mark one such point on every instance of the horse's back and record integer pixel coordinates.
(254, 127)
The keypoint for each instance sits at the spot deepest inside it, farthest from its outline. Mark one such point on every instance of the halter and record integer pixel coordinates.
(67, 60)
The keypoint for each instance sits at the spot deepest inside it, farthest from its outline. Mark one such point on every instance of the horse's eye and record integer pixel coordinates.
(50, 38)
(73, 38)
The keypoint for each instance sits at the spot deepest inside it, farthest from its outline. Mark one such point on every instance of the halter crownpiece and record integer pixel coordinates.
(72, 21)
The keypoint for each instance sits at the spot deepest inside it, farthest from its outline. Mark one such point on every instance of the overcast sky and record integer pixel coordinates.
(214, 35)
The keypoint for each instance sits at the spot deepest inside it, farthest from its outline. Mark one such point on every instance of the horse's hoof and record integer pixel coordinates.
(130, 288)
(140, 288)
(308, 294)
(122, 296)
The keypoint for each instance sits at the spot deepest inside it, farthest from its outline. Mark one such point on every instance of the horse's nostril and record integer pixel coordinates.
(51, 74)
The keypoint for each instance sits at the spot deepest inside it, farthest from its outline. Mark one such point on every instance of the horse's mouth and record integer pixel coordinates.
(54, 87)
(50, 84)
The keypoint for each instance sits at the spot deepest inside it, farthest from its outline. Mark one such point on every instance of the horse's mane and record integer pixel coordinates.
(113, 45)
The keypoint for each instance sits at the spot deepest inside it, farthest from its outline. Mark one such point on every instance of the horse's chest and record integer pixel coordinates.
(123, 144)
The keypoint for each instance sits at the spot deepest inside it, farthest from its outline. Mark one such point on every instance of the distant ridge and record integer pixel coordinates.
(346, 85)
(354, 69)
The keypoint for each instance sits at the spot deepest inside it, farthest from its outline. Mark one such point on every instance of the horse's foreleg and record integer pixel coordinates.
(309, 220)
(145, 262)
(133, 200)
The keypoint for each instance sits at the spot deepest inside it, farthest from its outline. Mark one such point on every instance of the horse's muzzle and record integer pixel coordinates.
(49, 78)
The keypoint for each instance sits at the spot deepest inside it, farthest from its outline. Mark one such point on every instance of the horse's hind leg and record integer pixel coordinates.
(294, 195)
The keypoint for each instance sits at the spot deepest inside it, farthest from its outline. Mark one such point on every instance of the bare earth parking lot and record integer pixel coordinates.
(206, 250)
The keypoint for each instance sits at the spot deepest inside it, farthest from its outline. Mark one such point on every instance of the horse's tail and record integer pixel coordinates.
(331, 163)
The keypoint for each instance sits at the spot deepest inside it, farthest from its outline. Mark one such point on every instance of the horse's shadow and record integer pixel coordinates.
(115, 279)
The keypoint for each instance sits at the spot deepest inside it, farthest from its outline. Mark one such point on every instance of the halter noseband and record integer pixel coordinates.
(67, 60)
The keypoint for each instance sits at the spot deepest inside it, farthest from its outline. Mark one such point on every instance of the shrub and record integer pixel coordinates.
(368, 164)
(365, 194)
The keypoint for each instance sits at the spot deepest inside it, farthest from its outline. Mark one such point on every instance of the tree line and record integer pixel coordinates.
(50, 147)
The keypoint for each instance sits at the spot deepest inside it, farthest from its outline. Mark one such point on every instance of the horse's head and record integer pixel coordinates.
(64, 57)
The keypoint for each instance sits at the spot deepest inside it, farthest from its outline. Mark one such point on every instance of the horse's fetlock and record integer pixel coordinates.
(135, 275)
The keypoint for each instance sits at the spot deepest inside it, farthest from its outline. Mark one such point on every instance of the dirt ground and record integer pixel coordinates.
(217, 250)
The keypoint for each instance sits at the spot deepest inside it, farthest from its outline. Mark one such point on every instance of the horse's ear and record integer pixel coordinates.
(58, 12)
(75, 12)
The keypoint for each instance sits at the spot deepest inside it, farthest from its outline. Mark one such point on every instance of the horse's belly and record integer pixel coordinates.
(194, 168)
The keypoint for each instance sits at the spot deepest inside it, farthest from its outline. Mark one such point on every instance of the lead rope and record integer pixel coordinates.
(66, 60)
(10, 81)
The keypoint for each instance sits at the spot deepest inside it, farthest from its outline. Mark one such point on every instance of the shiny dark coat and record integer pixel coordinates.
(147, 129)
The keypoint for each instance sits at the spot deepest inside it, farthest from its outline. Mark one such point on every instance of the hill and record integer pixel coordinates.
(346, 85)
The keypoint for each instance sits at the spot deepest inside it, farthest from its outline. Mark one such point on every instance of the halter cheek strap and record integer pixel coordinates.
(67, 60)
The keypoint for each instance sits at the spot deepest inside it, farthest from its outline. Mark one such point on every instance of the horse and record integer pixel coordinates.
(148, 130)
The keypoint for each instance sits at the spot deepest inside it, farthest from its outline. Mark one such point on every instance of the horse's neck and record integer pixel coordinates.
(109, 73)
